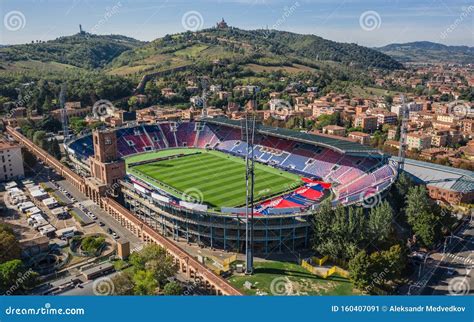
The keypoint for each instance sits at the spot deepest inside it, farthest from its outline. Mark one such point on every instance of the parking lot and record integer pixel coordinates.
(102, 219)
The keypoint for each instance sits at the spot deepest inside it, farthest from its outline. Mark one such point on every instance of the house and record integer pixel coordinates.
(334, 130)
(362, 138)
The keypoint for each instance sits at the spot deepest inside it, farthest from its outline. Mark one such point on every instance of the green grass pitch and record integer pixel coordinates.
(215, 177)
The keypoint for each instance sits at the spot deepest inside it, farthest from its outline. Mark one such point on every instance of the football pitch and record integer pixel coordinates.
(211, 177)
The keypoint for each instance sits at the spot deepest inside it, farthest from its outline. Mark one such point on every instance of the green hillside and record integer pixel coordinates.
(426, 51)
(232, 45)
(81, 50)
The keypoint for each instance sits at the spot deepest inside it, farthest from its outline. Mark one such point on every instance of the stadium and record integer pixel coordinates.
(187, 180)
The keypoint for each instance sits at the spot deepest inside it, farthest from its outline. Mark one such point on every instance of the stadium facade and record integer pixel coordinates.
(344, 171)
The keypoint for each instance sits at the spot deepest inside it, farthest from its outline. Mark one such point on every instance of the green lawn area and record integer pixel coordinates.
(292, 279)
(212, 177)
(371, 91)
(191, 51)
(159, 154)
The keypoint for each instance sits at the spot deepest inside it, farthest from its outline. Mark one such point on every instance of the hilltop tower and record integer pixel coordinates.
(222, 24)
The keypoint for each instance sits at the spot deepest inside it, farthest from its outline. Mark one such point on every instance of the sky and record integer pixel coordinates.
(370, 23)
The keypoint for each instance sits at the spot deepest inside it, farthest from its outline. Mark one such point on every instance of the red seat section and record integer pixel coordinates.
(287, 204)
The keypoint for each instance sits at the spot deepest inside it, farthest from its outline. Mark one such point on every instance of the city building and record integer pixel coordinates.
(468, 127)
(73, 109)
(11, 161)
(334, 130)
(444, 183)
(361, 137)
(417, 141)
(412, 107)
(366, 122)
(384, 116)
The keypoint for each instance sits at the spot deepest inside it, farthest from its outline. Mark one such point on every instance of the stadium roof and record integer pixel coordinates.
(340, 145)
(440, 176)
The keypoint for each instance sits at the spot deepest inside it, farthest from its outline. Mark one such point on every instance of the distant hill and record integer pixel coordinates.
(256, 49)
(426, 51)
(261, 47)
(314, 47)
(80, 50)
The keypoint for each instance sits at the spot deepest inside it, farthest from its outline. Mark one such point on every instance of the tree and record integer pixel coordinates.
(123, 283)
(77, 124)
(338, 232)
(172, 288)
(162, 268)
(50, 124)
(9, 244)
(133, 102)
(388, 99)
(395, 260)
(54, 149)
(380, 221)
(398, 192)
(376, 270)
(14, 277)
(359, 270)
(39, 138)
(424, 216)
(145, 283)
(155, 259)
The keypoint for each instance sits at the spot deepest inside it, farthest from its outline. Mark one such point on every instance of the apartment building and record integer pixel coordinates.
(11, 161)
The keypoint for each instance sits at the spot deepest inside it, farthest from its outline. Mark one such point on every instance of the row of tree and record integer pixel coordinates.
(371, 240)
(15, 278)
(151, 271)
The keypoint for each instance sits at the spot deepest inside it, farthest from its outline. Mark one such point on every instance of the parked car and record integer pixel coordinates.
(451, 271)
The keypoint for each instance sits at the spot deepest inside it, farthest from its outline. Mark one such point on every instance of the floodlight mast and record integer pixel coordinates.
(62, 104)
(405, 113)
(248, 131)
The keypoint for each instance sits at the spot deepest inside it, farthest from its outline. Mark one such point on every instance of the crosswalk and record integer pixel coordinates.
(464, 260)
(137, 248)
